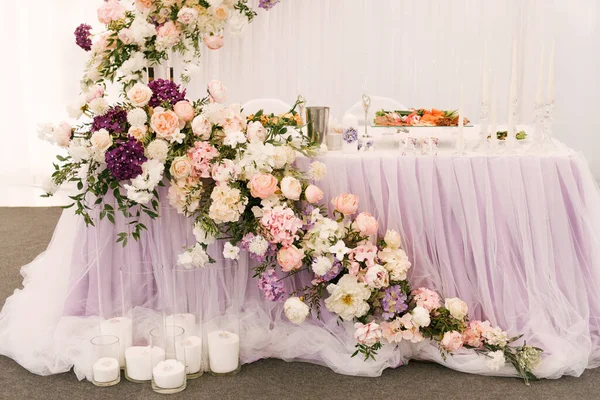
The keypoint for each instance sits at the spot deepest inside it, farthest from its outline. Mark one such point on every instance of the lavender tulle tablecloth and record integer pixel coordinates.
(516, 237)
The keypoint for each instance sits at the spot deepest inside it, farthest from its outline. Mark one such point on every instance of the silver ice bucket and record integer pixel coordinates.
(317, 120)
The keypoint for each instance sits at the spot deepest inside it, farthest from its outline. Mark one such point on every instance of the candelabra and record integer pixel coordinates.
(482, 143)
(366, 103)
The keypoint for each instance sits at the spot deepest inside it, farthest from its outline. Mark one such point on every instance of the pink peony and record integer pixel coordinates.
(62, 134)
(217, 91)
(366, 224)
(313, 194)
(263, 185)
(426, 298)
(280, 225)
(346, 203)
(202, 127)
(368, 334)
(201, 155)
(111, 10)
(184, 110)
(214, 42)
(256, 131)
(452, 341)
(93, 93)
(290, 258)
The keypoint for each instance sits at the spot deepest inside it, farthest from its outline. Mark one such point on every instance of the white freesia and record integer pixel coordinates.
(137, 117)
(259, 246)
(232, 139)
(295, 310)
(339, 250)
(231, 252)
(158, 149)
(458, 308)
(348, 298)
(202, 236)
(321, 265)
(99, 106)
(496, 360)
(420, 316)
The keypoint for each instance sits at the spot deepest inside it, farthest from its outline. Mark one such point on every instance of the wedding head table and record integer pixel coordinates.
(516, 236)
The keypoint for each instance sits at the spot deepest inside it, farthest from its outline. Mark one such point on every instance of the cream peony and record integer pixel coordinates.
(366, 224)
(291, 188)
(62, 134)
(295, 310)
(452, 341)
(217, 91)
(392, 239)
(101, 140)
(187, 16)
(348, 298)
(496, 360)
(313, 194)
(139, 95)
(256, 131)
(214, 42)
(94, 92)
(138, 132)
(420, 316)
(181, 167)
(458, 308)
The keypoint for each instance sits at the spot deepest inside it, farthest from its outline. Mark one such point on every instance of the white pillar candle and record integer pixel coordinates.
(350, 121)
(540, 89)
(106, 370)
(223, 351)
(185, 321)
(121, 327)
(193, 354)
(139, 362)
(169, 374)
(551, 74)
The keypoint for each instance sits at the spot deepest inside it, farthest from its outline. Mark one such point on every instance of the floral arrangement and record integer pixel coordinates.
(418, 117)
(350, 135)
(237, 178)
(501, 135)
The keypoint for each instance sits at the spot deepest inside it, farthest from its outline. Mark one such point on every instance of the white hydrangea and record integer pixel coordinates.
(141, 29)
(496, 360)
(259, 245)
(135, 64)
(258, 158)
(321, 265)
(137, 117)
(141, 187)
(157, 149)
(99, 106)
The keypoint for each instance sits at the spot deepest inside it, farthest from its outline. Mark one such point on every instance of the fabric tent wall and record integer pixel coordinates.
(418, 51)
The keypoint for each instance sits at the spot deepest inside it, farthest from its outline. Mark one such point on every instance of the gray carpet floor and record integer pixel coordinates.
(25, 232)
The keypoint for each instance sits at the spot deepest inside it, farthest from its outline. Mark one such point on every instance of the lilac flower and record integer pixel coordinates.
(114, 121)
(83, 37)
(125, 161)
(333, 272)
(165, 90)
(394, 302)
(350, 135)
(273, 289)
(267, 4)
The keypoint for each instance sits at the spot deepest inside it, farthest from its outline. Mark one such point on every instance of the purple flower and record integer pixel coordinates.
(394, 302)
(350, 135)
(273, 289)
(114, 121)
(165, 90)
(125, 161)
(267, 4)
(83, 37)
(334, 271)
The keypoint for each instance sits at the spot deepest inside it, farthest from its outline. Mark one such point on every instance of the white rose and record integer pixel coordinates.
(420, 316)
(139, 95)
(137, 117)
(256, 131)
(158, 150)
(368, 334)
(187, 15)
(101, 140)
(181, 167)
(392, 239)
(496, 360)
(217, 91)
(458, 308)
(202, 127)
(202, 236)
(291, 188)
(377, 277)
(321, 265)
(99, 106)
(295, 310)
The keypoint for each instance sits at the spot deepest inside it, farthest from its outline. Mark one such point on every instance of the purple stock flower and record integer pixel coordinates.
(273, 289)
(114, 121)
(350, 135)
(83, 37)
(334, 271)
(165, 90)
(394, 302)
(125, 161)
(267, 4)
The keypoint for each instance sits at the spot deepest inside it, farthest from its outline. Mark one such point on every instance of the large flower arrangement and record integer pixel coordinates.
(236, 176)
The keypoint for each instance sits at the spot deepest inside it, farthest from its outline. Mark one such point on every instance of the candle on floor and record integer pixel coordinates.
(121, 327)
(193, 354)
(169, 374)
(223, 351)
(140, 360)
(185, 321)
(350, 121)
(106, 370)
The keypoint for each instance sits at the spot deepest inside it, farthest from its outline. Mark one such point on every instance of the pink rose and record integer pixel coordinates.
(368, 334)
(94, 92)
(452, 341)
(290, 258)
(214, 42)
(111, 10)
(377, 277)
(346, 203)
(263, 185)
(217, 91)
(165, 124)
(366, 224)
(313, 194)
(291, 188)
(184, 110)
(256, 131)
(139, 95)
(202, 127)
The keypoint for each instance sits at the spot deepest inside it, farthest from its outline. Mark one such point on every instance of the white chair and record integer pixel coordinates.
(377, 103)
(274, 106)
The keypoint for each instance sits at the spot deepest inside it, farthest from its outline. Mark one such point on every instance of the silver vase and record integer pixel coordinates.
(317, 119)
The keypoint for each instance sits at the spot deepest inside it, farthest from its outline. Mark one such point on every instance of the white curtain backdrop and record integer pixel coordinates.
(419, 52)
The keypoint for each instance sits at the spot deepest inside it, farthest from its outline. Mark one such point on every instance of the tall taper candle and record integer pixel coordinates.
(485, 96)
(513, 75)
(494, 127)
(461, 121)
(540, 89)
(551, 74)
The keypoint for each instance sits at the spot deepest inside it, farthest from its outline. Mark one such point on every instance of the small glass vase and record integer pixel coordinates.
(106, 370)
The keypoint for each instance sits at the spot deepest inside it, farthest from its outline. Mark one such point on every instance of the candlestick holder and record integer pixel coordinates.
(460, 145)
(548, 131)
(366, 103)
(511, 135)
(302, 108)
(482, 143)
(105, 360)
